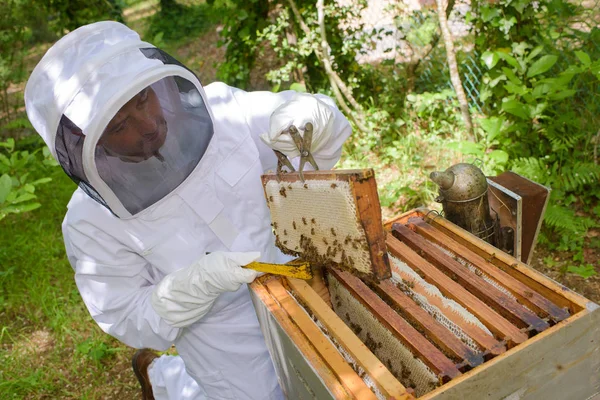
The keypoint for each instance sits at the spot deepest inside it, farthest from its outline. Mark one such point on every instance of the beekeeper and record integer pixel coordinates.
(170, 202)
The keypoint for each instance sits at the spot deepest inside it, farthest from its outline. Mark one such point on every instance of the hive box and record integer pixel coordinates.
(540, 340)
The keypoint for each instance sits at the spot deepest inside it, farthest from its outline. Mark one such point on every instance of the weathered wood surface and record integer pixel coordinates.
(535, 199)
(342, 370)
(555, 292)
(369, 211)
(508, 207)
(302, 373)
(496, 323)
(525, 294)
(561, 363)
(495, 298)
(340, 175)
(435, 331)
(409, 336)
(344, 336)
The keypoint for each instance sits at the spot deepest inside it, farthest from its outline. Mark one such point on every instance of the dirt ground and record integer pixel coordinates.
(590, 287)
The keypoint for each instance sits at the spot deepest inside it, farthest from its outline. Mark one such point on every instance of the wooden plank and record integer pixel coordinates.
(507, 206)
(382, 377)
(479, 336)
(296, 361)
(560, 363)
(497, 324)
(435, 331)
(525, 294)
(402, 218)
(408, 335)
(318, 285)
(340, 175)
(496, 299)
(346, 375)
(535, 199)
(557, 293)
(369, 210)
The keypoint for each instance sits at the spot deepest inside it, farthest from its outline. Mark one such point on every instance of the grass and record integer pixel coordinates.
(50, 347)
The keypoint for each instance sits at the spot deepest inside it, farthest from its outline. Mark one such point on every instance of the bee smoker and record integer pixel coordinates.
(464, 197)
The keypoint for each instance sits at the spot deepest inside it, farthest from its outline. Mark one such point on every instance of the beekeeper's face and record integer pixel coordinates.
(139, 129)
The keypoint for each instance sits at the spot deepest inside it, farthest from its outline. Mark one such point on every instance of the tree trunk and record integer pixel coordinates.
(419, 56)
(453, 66)
(339, 88)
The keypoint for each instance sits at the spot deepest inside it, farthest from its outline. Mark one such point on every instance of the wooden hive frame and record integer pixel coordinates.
(560, 360)
(363, 191)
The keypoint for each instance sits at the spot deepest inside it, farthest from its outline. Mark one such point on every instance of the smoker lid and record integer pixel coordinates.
(460, 182)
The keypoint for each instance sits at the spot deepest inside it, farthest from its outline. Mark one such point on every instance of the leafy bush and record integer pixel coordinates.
(540, 91)
(17, 189)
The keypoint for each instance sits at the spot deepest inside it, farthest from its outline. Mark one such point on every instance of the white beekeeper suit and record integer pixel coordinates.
(140, 226)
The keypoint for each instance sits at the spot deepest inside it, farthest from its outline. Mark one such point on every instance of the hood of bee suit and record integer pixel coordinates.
(126, 121)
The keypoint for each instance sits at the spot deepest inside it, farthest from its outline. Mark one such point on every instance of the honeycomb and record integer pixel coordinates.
(444, 310)
(401, 362)
(318, 219)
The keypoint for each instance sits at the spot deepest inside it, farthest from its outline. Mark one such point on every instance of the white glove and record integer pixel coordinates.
(185, 296)
(302, 108)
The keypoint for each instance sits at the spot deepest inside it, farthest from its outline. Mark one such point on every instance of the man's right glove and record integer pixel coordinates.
(185, 296)
(300, 110)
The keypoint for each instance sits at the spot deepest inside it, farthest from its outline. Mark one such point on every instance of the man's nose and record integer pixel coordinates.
(147, 126)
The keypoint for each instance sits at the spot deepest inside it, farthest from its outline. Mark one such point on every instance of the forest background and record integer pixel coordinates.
(509, 85)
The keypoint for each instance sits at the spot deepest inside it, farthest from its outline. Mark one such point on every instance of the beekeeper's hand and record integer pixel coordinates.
(302, 108)
(185, 296)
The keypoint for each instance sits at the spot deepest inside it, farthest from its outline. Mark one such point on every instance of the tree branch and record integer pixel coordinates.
(416, 60)
(338, 87)
(453, 67)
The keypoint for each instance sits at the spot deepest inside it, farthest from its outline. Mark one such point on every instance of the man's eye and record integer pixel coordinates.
(118, 128)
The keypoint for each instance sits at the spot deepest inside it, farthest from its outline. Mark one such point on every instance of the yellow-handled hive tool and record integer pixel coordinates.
(295, 269)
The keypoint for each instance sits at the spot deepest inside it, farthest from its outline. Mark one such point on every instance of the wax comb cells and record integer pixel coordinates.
(331, 218)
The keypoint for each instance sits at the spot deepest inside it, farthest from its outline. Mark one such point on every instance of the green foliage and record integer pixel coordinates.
(585, 271)
(17, 189)
(535, 89)
(176, 23)
(71, 14)
(250, 26)
(95, 350)
(242, 23)
(13, 36)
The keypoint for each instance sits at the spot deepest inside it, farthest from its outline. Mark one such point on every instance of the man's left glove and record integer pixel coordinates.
(185, 296)
(302, 108)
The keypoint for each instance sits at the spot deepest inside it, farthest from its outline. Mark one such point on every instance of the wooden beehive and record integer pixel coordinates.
(529, 338)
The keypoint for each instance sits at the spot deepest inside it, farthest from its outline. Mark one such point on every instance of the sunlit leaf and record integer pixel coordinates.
(542, 65)
(5, 186)
(516, 108)
(500, 156)
(585, 271)
(492, 126)
(490, 59)
(584, 58)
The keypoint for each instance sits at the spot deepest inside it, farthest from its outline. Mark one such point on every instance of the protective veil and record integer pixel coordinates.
(168, 170)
